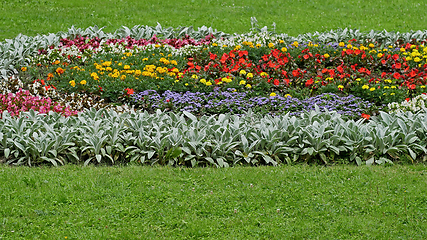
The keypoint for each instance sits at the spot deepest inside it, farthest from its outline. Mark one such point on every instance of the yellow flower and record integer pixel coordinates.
(386, 87)
(237, 47)
(208, 83)
(72, 83)
(264, 74)
(365, 86)
(392, 93)
(408, 58)
(214, 44)
(393, 86)
(273, 94)
(295, 44)
(203, 81)
(174, 62)
(413, 46)
(341, 44)
(372, 89)
(358, 79)
(271, 45)
(422, 86)
(83, 82)
(380, 55)
(326, 55)
(371, 45)
(248, 86)
(349, 46)
(281, 41)
(288, 95)
(145, 59)
(284, 49)
(157, 45)
(23, 69)
(340, 86)
(194, 76)
(402, 49)
(122, 77)
(243, 82)
(126, 67)
(387, 80)
(250, 75)
(417, 59)
(258, 45)
(242, 72)
(224, 46)
(186, 84)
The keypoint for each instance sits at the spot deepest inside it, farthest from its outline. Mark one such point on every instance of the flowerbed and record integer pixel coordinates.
(260, 73)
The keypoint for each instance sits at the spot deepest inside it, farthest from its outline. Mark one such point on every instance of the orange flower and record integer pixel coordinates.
(60, 71)
(129, 91)
(366, 116)
(49, 76)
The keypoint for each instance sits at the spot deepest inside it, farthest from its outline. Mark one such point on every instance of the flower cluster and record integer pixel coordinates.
(23, 101)
(414, 105)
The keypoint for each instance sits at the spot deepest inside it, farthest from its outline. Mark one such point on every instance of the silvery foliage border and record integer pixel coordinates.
(16, 51)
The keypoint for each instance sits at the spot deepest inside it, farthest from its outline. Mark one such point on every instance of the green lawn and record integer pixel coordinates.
(32, 17)
(288, 202)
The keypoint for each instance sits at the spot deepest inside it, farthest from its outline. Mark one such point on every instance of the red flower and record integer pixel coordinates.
(212, 56)
(412, 86)
(276, 82)
(366, 116)
(396, 75)
(397, 66)
(395, 57)
(407, 99)
(309, 82)
(129, 91)
(167, 100)
(306, 56)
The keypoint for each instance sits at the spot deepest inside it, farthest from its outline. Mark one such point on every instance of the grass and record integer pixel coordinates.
(288, 202)
(32, 17)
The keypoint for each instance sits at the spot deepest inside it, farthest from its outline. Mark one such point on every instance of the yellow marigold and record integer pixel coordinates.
(393, 86)
(372, 89)
(174, 62)
(56, 62)
(194, 76)
(214, 44)
(109, 69)
(273, 94)
(264, 74)
(250, 75)
(423, 86)
(295, 44)
(402, 49)
(242, 72)
(237, 47)
(392, 93)
(387, 81)
(208, 83)
(358, 79)
(281, 41)
(365, 87)
(203, 81)
(371, 45)
(72, 83)
(126, 67)
(83, 82)
(106, 64)
(120, 64)
(340, 86)
(258, 45)
(242, 82)
(341, 44)
(248, 86)
(326, 55)
(417, 59)
(284, 49)
(270, 45)
(138, 72)
(386, 87)
(288, 95)
(157, 45)
(23, 69)
(380, 55)
(122, 77)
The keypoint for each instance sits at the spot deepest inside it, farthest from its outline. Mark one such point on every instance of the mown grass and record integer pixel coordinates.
(288, 202)
(32, 17)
